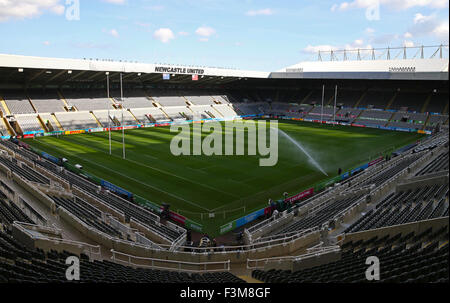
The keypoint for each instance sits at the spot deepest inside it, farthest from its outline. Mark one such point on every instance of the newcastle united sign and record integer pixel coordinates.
(179, 70)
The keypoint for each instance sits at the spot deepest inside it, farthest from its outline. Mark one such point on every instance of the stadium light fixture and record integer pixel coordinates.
(20, 70)
(69, 71)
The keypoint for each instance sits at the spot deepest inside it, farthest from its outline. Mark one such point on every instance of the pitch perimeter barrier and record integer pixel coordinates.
(33, 134)
(324, 184)
(304, 194)
(147, 204)
(50, 158)
(36, 150)
(173, 215)
(78, 171)
(401, 129)
(116, 189)
(193, 225)
(177, 218)
(281, 204)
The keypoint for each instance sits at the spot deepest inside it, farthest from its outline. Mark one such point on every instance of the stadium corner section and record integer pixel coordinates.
(236, 221)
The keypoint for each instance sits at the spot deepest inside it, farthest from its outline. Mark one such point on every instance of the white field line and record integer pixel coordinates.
(222, 206)
(153, 157)
(128, 177)
(201, 170)
(160, 170)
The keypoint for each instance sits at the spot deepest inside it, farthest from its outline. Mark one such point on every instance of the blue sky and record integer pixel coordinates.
(245, 34)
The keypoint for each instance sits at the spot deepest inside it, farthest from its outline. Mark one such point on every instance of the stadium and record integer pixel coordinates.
(87, 170)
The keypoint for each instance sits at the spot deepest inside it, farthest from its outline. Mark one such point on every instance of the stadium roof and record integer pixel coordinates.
(119, 66)
(56, 71)
(409, 69)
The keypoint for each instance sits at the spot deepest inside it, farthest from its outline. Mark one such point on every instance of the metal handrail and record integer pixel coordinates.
(93, 249)
(179, 263)
(323, 250)
(286, 235)
(248, 247)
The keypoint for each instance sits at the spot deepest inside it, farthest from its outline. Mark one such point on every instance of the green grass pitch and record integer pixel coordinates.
(224, 185)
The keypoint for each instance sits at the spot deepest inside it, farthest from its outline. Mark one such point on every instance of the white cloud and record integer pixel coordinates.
(58, 9)
(316, 48)
(120, 2)
(182, 33)
(357, 44)
(405, 4)
(393, 4)
(21, 9)
(407, 35)
(419, 18)
(114, 33)
(441, 31)
(260, 12)
(164, 35)
(344, 6)
(334, 7)
(429, 26)
(408, 43)
(205, 31)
